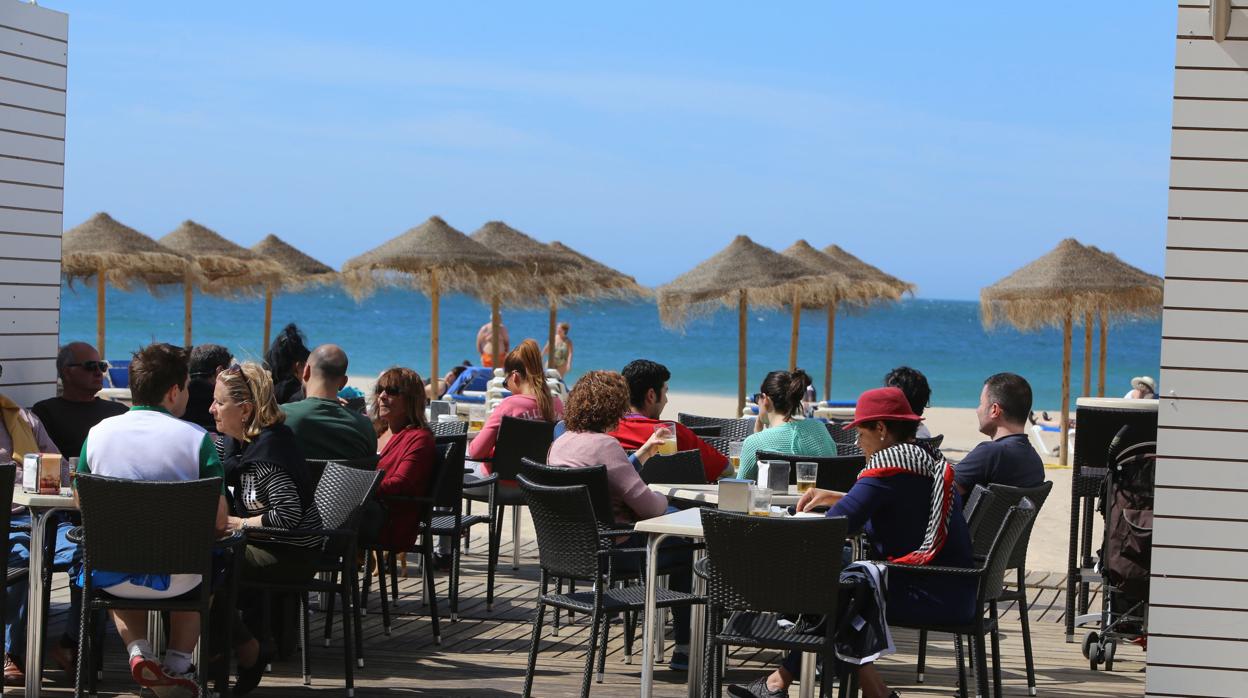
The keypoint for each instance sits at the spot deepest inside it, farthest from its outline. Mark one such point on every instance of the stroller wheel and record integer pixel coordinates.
(1095, 654)
(1092, 638)
(1110, 649)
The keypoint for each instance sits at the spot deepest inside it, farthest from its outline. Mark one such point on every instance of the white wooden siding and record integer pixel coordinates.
(33, 59)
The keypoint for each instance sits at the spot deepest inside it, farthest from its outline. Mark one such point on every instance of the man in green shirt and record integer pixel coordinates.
(323, 427)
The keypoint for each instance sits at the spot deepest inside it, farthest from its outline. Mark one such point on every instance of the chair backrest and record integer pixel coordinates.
(719, 443)
(517, 439)
(706, 430)
(846, 440)
(316, 466)
(835, 472)
(593, 477)
(341, 492)
(450, 491)
(797, 573)
(931, 442)
(449, 428)
(680, 468)
(1017, 518)
(144, 527)
(989, 512)
(567, 530)
(731, 428)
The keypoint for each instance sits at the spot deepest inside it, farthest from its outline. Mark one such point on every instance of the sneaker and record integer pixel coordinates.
(13, 673)
(150, 673)
(679, 661)
(756, 689)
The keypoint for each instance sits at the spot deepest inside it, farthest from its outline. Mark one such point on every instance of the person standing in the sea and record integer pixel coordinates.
(561, 353)
(485, 342)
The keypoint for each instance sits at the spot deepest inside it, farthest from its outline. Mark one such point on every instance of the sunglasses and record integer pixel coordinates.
(392, 390)
(92, 366)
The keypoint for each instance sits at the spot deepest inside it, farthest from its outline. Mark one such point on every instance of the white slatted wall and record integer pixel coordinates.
(1198, 629)
(33, 50)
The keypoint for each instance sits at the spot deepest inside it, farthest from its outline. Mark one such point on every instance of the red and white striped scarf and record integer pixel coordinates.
(917, 460)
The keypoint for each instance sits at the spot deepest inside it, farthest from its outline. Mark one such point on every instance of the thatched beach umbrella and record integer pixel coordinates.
(1071, 281)
(607, 282)
(299, 271)
(432, 257)
(1131, 277)
(226, 269)
(877, 287)
(117, 255)
(742, 272)
(548, 273)
(848, 283)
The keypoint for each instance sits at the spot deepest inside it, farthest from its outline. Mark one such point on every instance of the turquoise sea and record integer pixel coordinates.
(944, 339)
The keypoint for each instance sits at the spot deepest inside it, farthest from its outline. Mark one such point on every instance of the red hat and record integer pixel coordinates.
(887, 404)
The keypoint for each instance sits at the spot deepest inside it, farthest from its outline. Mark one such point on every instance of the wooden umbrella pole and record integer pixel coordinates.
(1087, 355)
(741, 343)
(827, 354)
(797, 320)
(1063, 456)
(1100, 380)
(188, 291)
(434, 302)
(550, 333)
(268, 317)
(496, 343)
(100, 285)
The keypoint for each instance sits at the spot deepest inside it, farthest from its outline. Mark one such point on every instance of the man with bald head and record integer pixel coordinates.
(324, 428)
(69, 417)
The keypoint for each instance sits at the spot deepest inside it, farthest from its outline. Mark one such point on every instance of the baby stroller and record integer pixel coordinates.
(1127, 550)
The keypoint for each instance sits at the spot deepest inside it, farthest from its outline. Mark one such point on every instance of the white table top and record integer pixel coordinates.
(1118, 403)
(686, 522)
(42, 501)
(709, 494)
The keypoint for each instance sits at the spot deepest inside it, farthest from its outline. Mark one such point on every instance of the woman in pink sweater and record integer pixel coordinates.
(595, 406)
(529, 399)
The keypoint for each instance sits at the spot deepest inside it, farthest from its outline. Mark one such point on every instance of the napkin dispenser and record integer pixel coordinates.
(774, 475)
(734, 495)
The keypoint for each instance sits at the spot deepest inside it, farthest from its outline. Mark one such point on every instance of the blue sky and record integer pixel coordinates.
(948, 143)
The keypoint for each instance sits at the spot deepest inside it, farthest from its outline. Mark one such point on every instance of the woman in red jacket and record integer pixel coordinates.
(406, 447)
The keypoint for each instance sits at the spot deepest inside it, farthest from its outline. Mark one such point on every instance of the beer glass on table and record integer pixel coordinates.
(476, 417)
(760, 501)
(807, 475)
(734, 455)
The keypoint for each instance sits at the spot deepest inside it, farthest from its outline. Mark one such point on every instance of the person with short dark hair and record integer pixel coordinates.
(778, 428)
(914, 385)
(207, 360)
(150, 443)
(71, 415)
(285, 359)
(1008, 459)
(647, 396)
(324, 428)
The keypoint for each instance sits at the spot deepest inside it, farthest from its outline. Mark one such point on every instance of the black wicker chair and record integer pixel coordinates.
(112, 510)
(733, 429)
(680, 468)
(719, 443)
(1009, 524)
(846, 440)
(742, 604)
(387, 558)
(340, 494)
(835, 472)
(449, 518)
(517, 439)
(571, 545)
(706, 430)
(457, 428)
(316, 466)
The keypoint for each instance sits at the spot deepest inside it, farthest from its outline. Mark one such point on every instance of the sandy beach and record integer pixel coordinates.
(958, 424)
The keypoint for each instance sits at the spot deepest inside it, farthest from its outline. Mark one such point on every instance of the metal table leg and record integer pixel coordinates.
(650, 629)
(515, 538)
(807, 677)
(34, 601)
(697, 636)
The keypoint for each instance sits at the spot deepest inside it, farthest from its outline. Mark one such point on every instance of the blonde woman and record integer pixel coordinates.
(272, 489)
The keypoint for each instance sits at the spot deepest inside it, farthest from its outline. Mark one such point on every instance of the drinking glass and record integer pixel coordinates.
(734, 455)
(760, 501)
(476, 417)
(807, 474)
(667, 446)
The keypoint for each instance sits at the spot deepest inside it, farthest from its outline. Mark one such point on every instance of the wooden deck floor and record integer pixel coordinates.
(484, 653)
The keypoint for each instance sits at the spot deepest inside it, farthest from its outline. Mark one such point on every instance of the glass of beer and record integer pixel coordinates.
(734, 455)
(667, 432)
(476, 417)
(807, 474)
(760, 501)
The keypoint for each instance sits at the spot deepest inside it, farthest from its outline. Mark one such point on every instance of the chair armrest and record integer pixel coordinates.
(937, 570)
(403, 499)
(298, 532)
(480, 481)
(613, 532)
(233, 539)
(73, 535)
